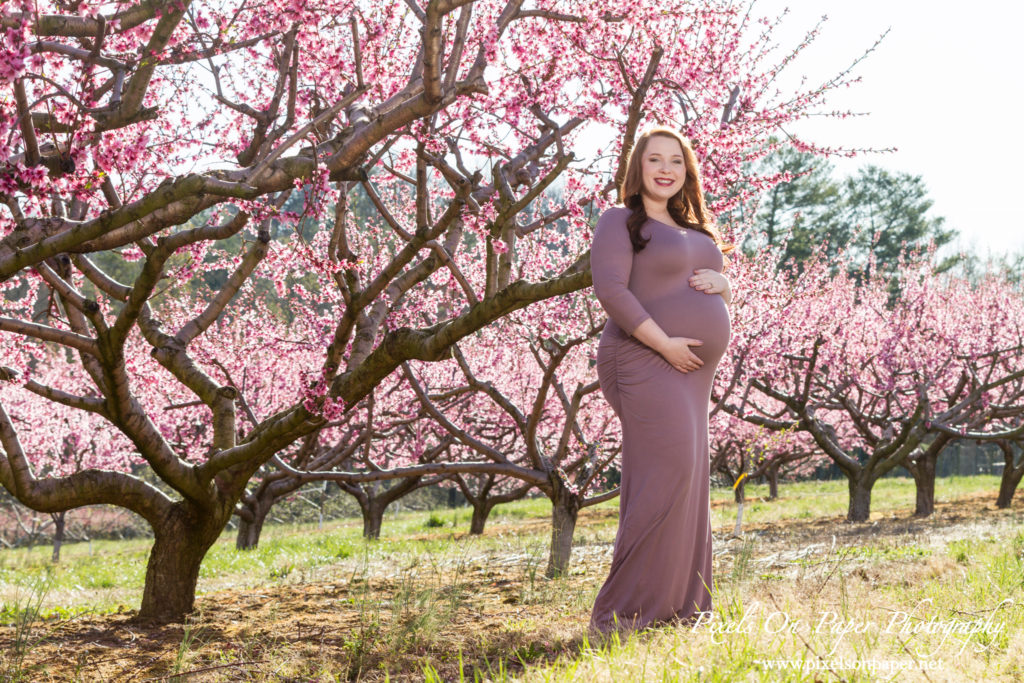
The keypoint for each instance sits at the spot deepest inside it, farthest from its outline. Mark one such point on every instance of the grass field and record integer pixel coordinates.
(893, 598)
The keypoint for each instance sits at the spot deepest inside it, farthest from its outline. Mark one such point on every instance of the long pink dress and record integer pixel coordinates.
(661, 565)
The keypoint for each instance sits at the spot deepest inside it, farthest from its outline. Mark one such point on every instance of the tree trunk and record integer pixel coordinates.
(374, 500)
(773, 483)
(258, 506)
(480, 513)
(565, 508)
(373, 517)
(1011, 476)
(860, 498)
(1008, 486)
(181, 543)
(58, 534)
(922, 468)
(249, 531)
(740, 495)
(923, 471)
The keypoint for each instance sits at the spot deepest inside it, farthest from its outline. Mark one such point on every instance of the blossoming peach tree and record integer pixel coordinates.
(374, 166)
(882, 373)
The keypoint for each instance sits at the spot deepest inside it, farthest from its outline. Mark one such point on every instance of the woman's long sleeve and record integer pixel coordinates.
(611, 259)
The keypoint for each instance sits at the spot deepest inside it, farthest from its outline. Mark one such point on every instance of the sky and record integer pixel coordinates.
(944, 88)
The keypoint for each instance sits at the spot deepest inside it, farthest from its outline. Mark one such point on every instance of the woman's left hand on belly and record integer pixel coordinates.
(708, 281)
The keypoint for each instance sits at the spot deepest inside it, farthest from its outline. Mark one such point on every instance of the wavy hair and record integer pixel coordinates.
(687, 207)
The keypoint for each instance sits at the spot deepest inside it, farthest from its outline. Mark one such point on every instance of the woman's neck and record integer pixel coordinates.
(655, 209)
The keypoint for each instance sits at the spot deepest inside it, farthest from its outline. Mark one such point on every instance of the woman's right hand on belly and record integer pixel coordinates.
(677, 352)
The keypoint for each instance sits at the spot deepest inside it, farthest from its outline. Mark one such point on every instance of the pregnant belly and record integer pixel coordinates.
(689, 313)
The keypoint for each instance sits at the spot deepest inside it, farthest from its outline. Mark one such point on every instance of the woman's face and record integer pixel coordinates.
(663, 168)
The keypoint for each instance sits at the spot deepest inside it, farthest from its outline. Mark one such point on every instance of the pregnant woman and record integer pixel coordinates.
(656, 265)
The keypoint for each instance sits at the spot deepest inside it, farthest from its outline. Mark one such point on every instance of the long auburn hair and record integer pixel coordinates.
(687, 207)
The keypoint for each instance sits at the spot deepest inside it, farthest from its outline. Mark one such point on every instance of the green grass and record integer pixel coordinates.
(406, 590)
(987, 590)
(105, 576)
(813, 500)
